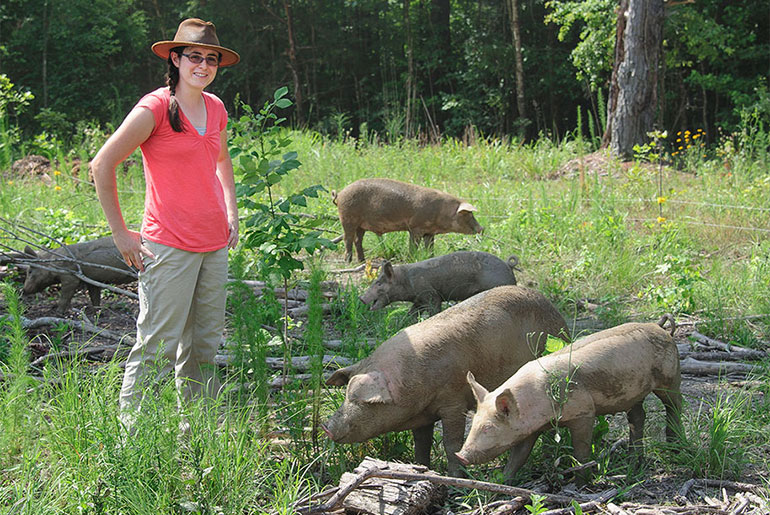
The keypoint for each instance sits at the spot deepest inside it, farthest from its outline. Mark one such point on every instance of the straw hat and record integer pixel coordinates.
(196, 32)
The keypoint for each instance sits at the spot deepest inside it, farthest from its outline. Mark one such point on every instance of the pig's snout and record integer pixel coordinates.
(326, 430)
(462, 459)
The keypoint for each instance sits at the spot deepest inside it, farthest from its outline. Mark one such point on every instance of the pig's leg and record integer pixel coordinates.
(453, 425)
(69, 284)
(95, 293)
(423, 441)
(519, 454)
(672, 400)
(427, 240)
(636, 427)
(582, 430)
(359, 240)
(414, 241)
(349, 235)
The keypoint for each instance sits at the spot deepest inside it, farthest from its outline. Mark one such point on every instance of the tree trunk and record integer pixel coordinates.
(521, 105)
(293, 66)
(633, 89)
(411, 88)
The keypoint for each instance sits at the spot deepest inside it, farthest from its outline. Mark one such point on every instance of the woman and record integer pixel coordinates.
(190, 217)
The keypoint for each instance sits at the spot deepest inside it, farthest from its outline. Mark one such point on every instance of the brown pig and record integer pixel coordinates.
(386, 205)
(427, 283)
(97, 259)
(417, 376)
(607, 372)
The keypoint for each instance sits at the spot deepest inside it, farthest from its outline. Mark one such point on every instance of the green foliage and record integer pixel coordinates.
(83, 69)
(679, 279)
(537, 504)
(12, 103)
(271, 228)
(720, 431)
(593, 55)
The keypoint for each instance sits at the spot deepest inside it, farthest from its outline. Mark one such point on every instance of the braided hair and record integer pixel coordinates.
(172, 79)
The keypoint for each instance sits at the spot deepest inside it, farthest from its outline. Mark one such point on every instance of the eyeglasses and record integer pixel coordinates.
(211, 60)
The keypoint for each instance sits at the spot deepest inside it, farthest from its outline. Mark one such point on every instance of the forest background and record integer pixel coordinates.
(427, 68)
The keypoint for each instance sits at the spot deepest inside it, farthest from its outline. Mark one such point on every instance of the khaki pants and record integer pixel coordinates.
(181, 317)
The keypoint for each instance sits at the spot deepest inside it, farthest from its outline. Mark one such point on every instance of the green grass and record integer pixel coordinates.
(61, 448)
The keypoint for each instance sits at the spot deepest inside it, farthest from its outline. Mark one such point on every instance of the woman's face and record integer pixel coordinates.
(196, 75)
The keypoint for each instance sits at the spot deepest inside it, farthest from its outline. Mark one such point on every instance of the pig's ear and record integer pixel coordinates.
(506, 404)
(387, 269)
(369, 388)
(30, 251)
(466, 206)
(340, 377)
(479, 392)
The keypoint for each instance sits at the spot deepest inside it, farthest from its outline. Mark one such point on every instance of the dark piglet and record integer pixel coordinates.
(386, 205)
(61, 263)
(427, 283)
(418, 376)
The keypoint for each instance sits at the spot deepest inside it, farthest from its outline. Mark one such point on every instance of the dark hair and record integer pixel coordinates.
(172, 79)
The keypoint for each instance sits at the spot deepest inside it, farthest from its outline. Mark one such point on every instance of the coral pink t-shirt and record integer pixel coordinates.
(184, 205)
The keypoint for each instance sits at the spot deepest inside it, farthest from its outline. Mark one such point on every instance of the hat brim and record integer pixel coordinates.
(163, 48)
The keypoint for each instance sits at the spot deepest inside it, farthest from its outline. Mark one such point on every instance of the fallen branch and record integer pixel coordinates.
(509, 506)
(718, 483)
(384, 472)
(301, 363)
(705, 368)
(726, 346)
(337, 344)
(359, 268)
(723, 355)
(35, 323)
(78, 353)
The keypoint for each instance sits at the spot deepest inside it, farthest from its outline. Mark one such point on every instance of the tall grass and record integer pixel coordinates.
(258, 450)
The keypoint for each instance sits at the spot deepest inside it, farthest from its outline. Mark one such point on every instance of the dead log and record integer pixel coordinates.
(359, 268)
(303, 310)
(281, 381)
(83, 352)
(328, 289)
(35, 323)
(390, 496)
(722, 355)
(387, 470)
(726, 346)
(337, 344)
(705, 368)
(718, 483)
(301, 363)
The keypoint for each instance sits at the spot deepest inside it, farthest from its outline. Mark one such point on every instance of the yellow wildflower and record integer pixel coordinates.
(56, 172)
(370, 271)
(57, 188)
(661, 200)
(10, 183)
(661, 219)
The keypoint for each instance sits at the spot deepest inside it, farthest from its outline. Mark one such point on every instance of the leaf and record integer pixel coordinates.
(280, 92)
(283, 103)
